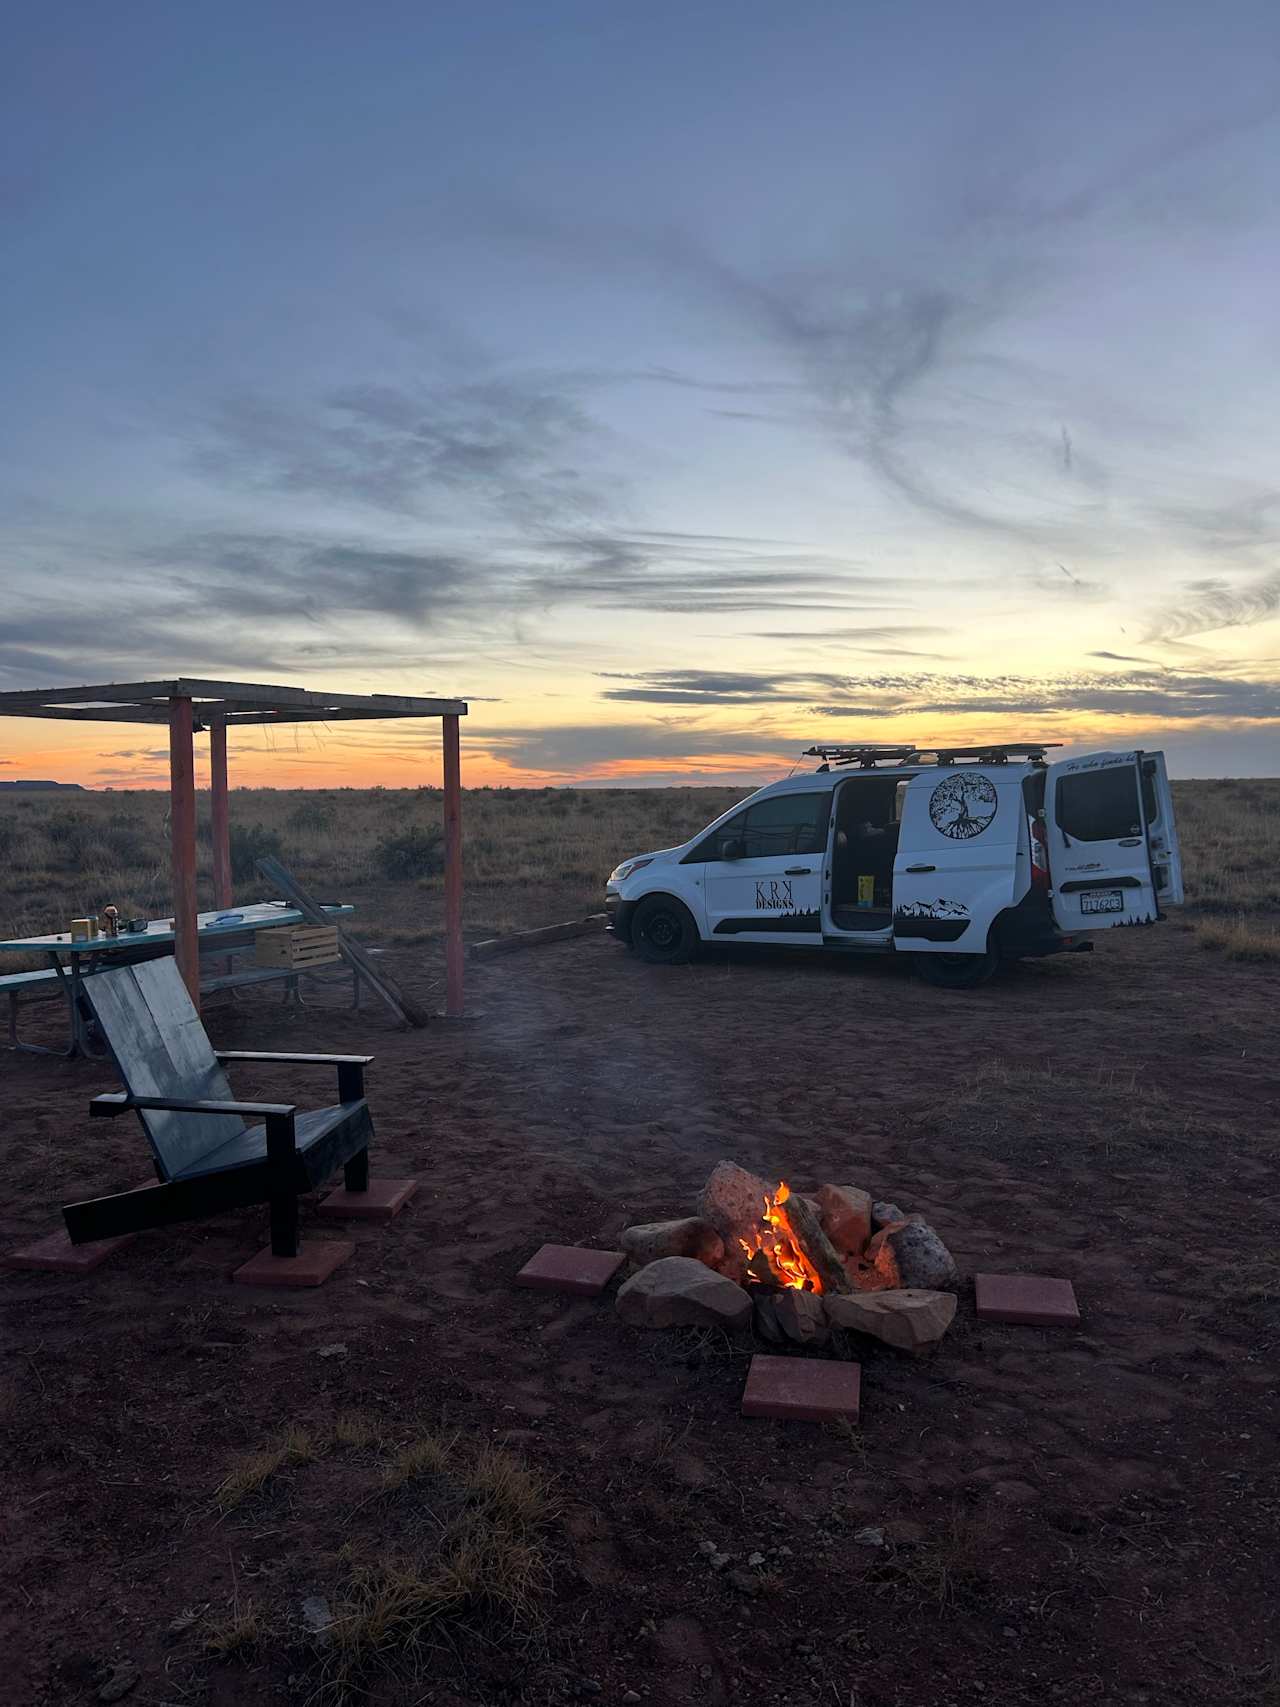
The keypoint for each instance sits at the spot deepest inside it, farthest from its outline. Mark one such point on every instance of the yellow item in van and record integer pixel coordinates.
(82, 930)
(866, 891)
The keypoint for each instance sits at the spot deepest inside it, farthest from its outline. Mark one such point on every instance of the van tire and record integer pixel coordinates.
(663, 931)
(958, 971)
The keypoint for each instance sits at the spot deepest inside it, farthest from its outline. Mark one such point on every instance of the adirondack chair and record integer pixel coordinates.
(207, 1157)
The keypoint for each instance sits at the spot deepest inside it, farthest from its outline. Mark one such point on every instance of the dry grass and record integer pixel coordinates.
(448, 1546)
(251, 1474)
(67, 855)
(1238, 939)
(239, 1632)
(64, 856)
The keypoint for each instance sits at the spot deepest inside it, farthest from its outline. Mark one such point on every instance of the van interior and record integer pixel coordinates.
(868, 822)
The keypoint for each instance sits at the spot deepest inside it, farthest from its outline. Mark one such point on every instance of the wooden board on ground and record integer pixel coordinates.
(406, 1010)
(593, 923)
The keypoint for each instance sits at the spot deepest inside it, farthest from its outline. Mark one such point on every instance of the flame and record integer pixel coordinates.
(787, 1262)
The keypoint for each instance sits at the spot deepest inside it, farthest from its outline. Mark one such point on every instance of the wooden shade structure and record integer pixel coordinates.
(187, 705)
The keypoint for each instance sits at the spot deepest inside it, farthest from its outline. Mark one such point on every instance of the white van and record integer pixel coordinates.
(960, 856)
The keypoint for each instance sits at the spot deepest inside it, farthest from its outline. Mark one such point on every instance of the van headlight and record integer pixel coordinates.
(620, 873)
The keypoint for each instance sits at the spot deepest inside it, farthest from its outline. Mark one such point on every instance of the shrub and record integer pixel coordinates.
(249, 843)
(415, 852)
(313, 815)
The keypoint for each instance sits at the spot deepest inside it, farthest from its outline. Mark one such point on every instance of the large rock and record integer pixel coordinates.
(910, 1253)
(681, 1292)
(912, 1319)
(883, 1214)
(790, 1315)
(845, 1213)
(732, 1200)
(692, 1237)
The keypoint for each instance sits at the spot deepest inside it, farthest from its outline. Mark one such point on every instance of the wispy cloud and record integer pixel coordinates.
(1217, 603)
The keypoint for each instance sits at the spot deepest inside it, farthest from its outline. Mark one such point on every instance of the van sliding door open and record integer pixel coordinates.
(1100, 854)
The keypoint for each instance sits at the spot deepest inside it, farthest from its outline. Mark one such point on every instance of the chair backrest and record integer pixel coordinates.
(160, 1049)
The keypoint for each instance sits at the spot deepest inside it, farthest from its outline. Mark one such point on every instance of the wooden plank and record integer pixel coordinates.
(406, 1010)
(182, 822)
(142, 695)
(590, 926)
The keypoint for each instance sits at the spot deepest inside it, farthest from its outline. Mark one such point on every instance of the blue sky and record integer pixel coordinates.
(683, 384)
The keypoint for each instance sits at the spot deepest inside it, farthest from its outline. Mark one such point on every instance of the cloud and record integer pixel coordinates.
(508, 443)
(716, 687)
(1156, 692)
(1216, 604)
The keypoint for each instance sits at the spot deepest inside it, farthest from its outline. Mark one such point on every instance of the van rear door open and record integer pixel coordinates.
(1108, 845)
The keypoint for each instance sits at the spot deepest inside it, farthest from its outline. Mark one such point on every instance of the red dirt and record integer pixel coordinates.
(1068, 1514)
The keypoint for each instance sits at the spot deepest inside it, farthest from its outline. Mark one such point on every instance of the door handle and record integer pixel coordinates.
(1131, 842)
(798, 871)
(921, 868)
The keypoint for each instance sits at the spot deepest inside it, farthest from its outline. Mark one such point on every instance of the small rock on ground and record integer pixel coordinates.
(122, 1679)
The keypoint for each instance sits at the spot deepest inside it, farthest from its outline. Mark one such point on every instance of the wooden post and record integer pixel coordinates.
(182, 822)
(219, 813)
(452, 868)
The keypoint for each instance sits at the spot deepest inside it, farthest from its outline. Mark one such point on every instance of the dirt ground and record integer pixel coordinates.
(1071, 1515)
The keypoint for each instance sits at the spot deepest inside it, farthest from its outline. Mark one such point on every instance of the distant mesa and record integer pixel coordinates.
(28, 787)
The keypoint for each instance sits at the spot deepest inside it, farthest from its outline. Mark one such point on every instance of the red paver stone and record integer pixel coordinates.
(383, 1201)
(1034, 1300)
(56, 1253)
(314, 1263)
(802, 1387)
(568, 1268)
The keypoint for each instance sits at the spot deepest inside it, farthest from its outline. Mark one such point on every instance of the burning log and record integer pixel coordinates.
(806, 1231)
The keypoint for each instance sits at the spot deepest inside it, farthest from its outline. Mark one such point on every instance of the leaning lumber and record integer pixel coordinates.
(807, 1232)
(542, 933)
(406, 1010)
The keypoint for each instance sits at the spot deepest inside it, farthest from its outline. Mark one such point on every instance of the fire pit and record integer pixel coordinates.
(802, 1270)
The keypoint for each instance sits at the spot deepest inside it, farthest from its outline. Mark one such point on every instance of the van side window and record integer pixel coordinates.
(1099, 806)
(786, 824)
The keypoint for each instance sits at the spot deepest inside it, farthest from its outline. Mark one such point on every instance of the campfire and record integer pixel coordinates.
(796, 1268)
(774, 1256)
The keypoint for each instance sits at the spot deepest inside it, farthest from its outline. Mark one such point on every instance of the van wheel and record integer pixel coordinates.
(663, 931)
(957, 971)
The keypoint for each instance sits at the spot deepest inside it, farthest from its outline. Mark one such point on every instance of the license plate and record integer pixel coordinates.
(1102, 901)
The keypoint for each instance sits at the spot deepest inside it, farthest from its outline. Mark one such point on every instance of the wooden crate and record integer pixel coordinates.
(296, 947)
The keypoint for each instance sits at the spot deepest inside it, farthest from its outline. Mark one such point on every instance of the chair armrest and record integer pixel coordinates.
(111, 1103)
(350, 1067)
(300, 1060)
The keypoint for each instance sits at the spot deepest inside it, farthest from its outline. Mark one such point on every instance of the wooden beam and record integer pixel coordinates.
(592, 925)
(182, 826)
(220, 813)
(453, 954)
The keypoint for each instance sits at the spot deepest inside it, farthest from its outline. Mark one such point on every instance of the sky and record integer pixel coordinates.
(682, 385)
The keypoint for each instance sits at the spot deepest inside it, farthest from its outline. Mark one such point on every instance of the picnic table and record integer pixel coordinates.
(70, 960)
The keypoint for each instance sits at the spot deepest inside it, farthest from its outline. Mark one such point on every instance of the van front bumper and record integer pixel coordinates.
(618, 915)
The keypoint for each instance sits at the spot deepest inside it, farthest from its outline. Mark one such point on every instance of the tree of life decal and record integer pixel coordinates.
(963, 805)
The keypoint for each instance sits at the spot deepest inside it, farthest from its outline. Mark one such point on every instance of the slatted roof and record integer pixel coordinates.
(236, 703)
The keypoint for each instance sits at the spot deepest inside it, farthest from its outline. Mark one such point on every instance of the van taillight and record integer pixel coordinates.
(1039, 855)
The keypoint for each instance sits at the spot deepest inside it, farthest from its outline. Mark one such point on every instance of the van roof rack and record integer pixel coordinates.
(985, 753)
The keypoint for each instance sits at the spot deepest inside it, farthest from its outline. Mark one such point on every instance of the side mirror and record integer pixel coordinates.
(732, 848)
